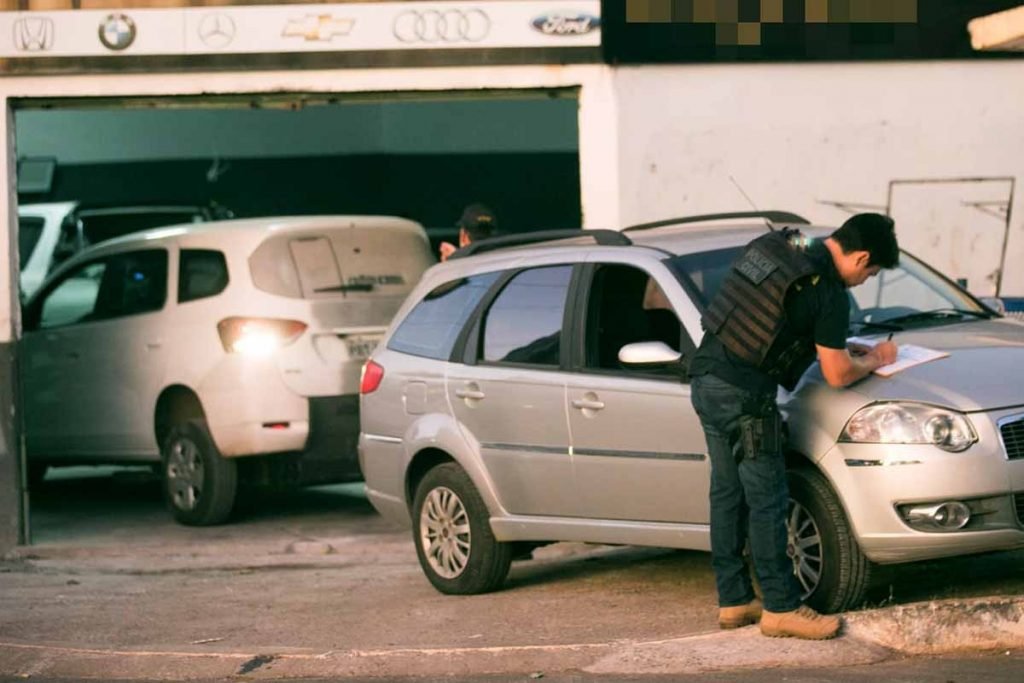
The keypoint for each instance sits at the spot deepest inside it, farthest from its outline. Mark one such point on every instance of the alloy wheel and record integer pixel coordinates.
(185, 473)
(444, 532)
(804, 547)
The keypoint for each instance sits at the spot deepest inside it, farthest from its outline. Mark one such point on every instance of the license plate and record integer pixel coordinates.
(361, 347)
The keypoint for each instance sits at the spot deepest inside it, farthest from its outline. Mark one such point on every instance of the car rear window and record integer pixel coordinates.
(30, 228)
(431, 327)
(341, 262)
(202, 273)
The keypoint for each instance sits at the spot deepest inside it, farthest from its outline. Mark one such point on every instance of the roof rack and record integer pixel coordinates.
(770, 216)
(602, 237)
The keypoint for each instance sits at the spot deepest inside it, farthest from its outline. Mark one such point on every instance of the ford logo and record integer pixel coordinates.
(569, 24)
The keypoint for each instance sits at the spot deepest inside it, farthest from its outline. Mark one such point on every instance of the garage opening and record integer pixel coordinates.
(113, 166)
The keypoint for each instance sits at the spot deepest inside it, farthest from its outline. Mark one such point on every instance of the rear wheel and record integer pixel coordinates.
(832, 571)
(199, 484)
(452, 532)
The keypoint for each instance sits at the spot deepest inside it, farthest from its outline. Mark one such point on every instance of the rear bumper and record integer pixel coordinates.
(319, 450)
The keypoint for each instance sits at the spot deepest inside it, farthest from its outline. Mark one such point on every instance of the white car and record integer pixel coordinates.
(201, 346)
(52, 232)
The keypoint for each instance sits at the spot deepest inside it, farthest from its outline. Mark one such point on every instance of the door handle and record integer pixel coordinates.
(73, 355)
(587, 404)
(153, 346)
(471, 391)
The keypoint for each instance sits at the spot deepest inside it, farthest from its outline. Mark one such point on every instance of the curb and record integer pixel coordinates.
(869, 637)
(943, 626)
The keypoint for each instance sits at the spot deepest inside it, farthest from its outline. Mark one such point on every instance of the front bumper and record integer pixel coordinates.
(873, 480)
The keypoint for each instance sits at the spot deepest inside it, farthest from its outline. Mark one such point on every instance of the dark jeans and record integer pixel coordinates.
(749, 501)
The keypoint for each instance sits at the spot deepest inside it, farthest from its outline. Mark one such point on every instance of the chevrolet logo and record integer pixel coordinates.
(318, 27)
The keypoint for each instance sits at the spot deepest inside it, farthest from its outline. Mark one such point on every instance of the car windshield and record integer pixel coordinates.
(910, 295)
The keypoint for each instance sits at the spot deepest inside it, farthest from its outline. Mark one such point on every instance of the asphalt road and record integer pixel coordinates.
(318, 579)
(103, 506)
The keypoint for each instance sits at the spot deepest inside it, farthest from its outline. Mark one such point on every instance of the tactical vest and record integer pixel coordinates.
(748, 312)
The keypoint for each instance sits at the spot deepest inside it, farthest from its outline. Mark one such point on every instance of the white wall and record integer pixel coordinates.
(797, 135)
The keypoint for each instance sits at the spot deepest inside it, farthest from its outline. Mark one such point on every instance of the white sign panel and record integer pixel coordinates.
(301, 28)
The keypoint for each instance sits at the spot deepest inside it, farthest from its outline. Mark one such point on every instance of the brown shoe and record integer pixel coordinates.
(740, 615)
(802, 622)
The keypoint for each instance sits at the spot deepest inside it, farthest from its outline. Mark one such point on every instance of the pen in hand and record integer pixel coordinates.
(889, 338)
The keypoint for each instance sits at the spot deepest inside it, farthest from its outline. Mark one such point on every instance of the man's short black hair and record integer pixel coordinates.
(478, 221)
(871, 232)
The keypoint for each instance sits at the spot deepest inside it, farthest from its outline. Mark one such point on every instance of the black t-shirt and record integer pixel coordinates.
(819, 311)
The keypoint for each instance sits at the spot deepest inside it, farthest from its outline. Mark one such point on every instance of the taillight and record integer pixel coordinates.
(258, 336)
(372, 375)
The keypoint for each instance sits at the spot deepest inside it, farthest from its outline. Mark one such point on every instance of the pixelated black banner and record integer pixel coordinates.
(655, 31)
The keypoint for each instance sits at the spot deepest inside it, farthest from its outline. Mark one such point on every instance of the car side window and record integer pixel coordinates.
(432, 326)
(201, 273)
(626, 305)
(123, 284)
(524, 323)
(72, 300)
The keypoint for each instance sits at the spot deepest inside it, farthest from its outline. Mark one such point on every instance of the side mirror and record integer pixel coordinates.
(648, 354)
(995, 303)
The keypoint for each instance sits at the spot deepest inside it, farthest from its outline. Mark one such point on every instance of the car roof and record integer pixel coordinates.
(669, 240)
(240, 234)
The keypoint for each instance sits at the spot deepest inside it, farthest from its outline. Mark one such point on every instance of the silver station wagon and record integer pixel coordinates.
(533, 389)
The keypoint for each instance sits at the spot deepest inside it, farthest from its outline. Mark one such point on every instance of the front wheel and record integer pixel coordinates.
(832, 571)
(199, 484)
(452, 532)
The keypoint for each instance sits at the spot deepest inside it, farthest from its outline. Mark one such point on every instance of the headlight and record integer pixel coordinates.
(910, 423)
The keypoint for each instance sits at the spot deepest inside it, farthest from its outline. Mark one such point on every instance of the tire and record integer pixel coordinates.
(199, 484)
(830, 567)
(468, 559)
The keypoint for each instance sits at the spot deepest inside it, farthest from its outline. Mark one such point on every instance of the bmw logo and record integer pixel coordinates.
(117, 31)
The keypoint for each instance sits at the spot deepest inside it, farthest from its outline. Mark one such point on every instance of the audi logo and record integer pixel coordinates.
(442, 26)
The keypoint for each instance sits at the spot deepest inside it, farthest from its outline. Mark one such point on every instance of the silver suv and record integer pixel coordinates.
(532, 391)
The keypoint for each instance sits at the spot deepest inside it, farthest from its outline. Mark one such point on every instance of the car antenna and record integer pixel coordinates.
(750, 201)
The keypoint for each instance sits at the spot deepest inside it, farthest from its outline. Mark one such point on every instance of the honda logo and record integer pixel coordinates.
(442, 26)
(33, 34)
(317, 27)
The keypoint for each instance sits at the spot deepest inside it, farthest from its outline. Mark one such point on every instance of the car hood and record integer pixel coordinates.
(984, 369)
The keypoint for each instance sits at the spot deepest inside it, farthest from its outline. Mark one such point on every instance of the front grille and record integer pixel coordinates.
(1012, 431)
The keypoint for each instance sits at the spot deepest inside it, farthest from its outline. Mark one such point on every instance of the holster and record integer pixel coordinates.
(760, 434)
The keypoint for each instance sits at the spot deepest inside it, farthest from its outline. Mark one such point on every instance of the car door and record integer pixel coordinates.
(638, 447)
(509, 394)
(126, 359)
(89, 352)
(56, 322)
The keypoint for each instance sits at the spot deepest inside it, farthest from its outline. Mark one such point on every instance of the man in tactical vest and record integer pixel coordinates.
(783, 303)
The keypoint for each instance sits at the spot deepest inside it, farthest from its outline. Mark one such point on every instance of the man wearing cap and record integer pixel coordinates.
(477, 222)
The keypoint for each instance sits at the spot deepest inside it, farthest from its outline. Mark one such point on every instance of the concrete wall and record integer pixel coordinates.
(797, 136)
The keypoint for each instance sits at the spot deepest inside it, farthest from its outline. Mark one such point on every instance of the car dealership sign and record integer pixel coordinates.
(301, 28)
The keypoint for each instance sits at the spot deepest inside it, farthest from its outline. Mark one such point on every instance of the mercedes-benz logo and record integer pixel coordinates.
(33, 34)
(217, 30)
(442, 26)
(117, 31)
